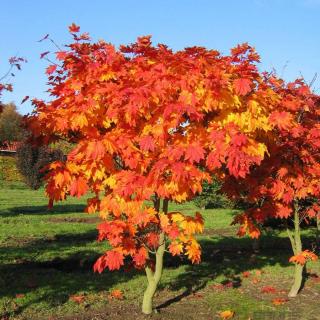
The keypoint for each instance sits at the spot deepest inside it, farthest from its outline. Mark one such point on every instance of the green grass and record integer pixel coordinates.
(46, 257)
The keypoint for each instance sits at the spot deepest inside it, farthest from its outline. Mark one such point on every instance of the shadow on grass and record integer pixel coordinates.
(43, 210)
(53, 280)
(229, 257)
(59, 278)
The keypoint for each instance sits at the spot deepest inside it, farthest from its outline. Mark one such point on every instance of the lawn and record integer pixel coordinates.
(47, 257)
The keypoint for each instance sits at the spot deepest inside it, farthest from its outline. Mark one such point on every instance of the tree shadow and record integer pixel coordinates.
(62, 276)
(43, 210)
(56, 278)
(228, 257)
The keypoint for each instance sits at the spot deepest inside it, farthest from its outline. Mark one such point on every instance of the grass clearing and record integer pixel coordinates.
(46, 258)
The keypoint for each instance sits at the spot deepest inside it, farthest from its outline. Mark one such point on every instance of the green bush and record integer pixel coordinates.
(8, 169)
(211, 197)
(32, 160)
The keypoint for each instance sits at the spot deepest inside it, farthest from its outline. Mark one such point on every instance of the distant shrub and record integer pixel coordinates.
(212, 197)
(8, 169)
(31, 161)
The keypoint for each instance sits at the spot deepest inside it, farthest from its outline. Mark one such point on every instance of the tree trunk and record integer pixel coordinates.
(297, 249)
(154, 277)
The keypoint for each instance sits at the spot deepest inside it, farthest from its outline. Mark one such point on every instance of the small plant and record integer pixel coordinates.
(31, 162)
(211, 196)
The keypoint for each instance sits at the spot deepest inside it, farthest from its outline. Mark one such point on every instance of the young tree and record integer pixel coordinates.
(144, 119)
(287, 183)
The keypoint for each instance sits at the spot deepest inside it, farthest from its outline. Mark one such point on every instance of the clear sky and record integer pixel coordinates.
(286, 33)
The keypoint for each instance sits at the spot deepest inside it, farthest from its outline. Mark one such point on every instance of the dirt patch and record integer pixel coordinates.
(92, 220)
(192, 307)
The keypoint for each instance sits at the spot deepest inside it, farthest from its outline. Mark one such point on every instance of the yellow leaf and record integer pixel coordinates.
(79, 121)
(107, 76)
(177, 217)
(227, 314)
(111, 182)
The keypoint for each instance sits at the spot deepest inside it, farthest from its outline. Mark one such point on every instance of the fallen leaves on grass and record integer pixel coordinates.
(246, 274)
(255, 280)
(116, 294)
(227, 314)
(268, 289)
(279, 301)
(77, 298)
(220, 286)
(19, 295)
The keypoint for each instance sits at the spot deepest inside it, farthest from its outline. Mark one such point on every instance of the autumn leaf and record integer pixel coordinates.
(279, 301)
(281, 119)
(77, 298)
(147, 143)
(78, 187)
(74, 28)
(116, 294)
(227, 314)
(242, 86)
(194, 153)
(303, 257)
(112, 259)
(51, 69)
(175, 248)
(268, 289)
(140, 257)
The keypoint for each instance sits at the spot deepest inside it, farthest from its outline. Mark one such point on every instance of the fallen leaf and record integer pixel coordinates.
(19, 295)
(268, 289)
(255, 280)
(77, 298)
(246, 274)
(116, 294)
(279, 301)
(227, 314)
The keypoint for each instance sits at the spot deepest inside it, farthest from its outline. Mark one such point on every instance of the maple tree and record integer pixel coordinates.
(149, 126)
(286, 184)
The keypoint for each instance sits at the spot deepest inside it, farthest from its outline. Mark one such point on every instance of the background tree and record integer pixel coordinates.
(10, 124)
(143, 120)
(211, 196)
(33, 160)
(287, 183)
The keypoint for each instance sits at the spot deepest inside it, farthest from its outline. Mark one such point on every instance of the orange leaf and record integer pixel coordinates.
(246, 274)
(282, 120)
(242, 86)
(268, 289)
(227, 314)
(77, 298)
(78, 187)
(116, 294)
(279, 301)
(51, 69)
(74, 28)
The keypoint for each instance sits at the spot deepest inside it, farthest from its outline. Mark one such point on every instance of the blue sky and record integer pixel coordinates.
(285, 33)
